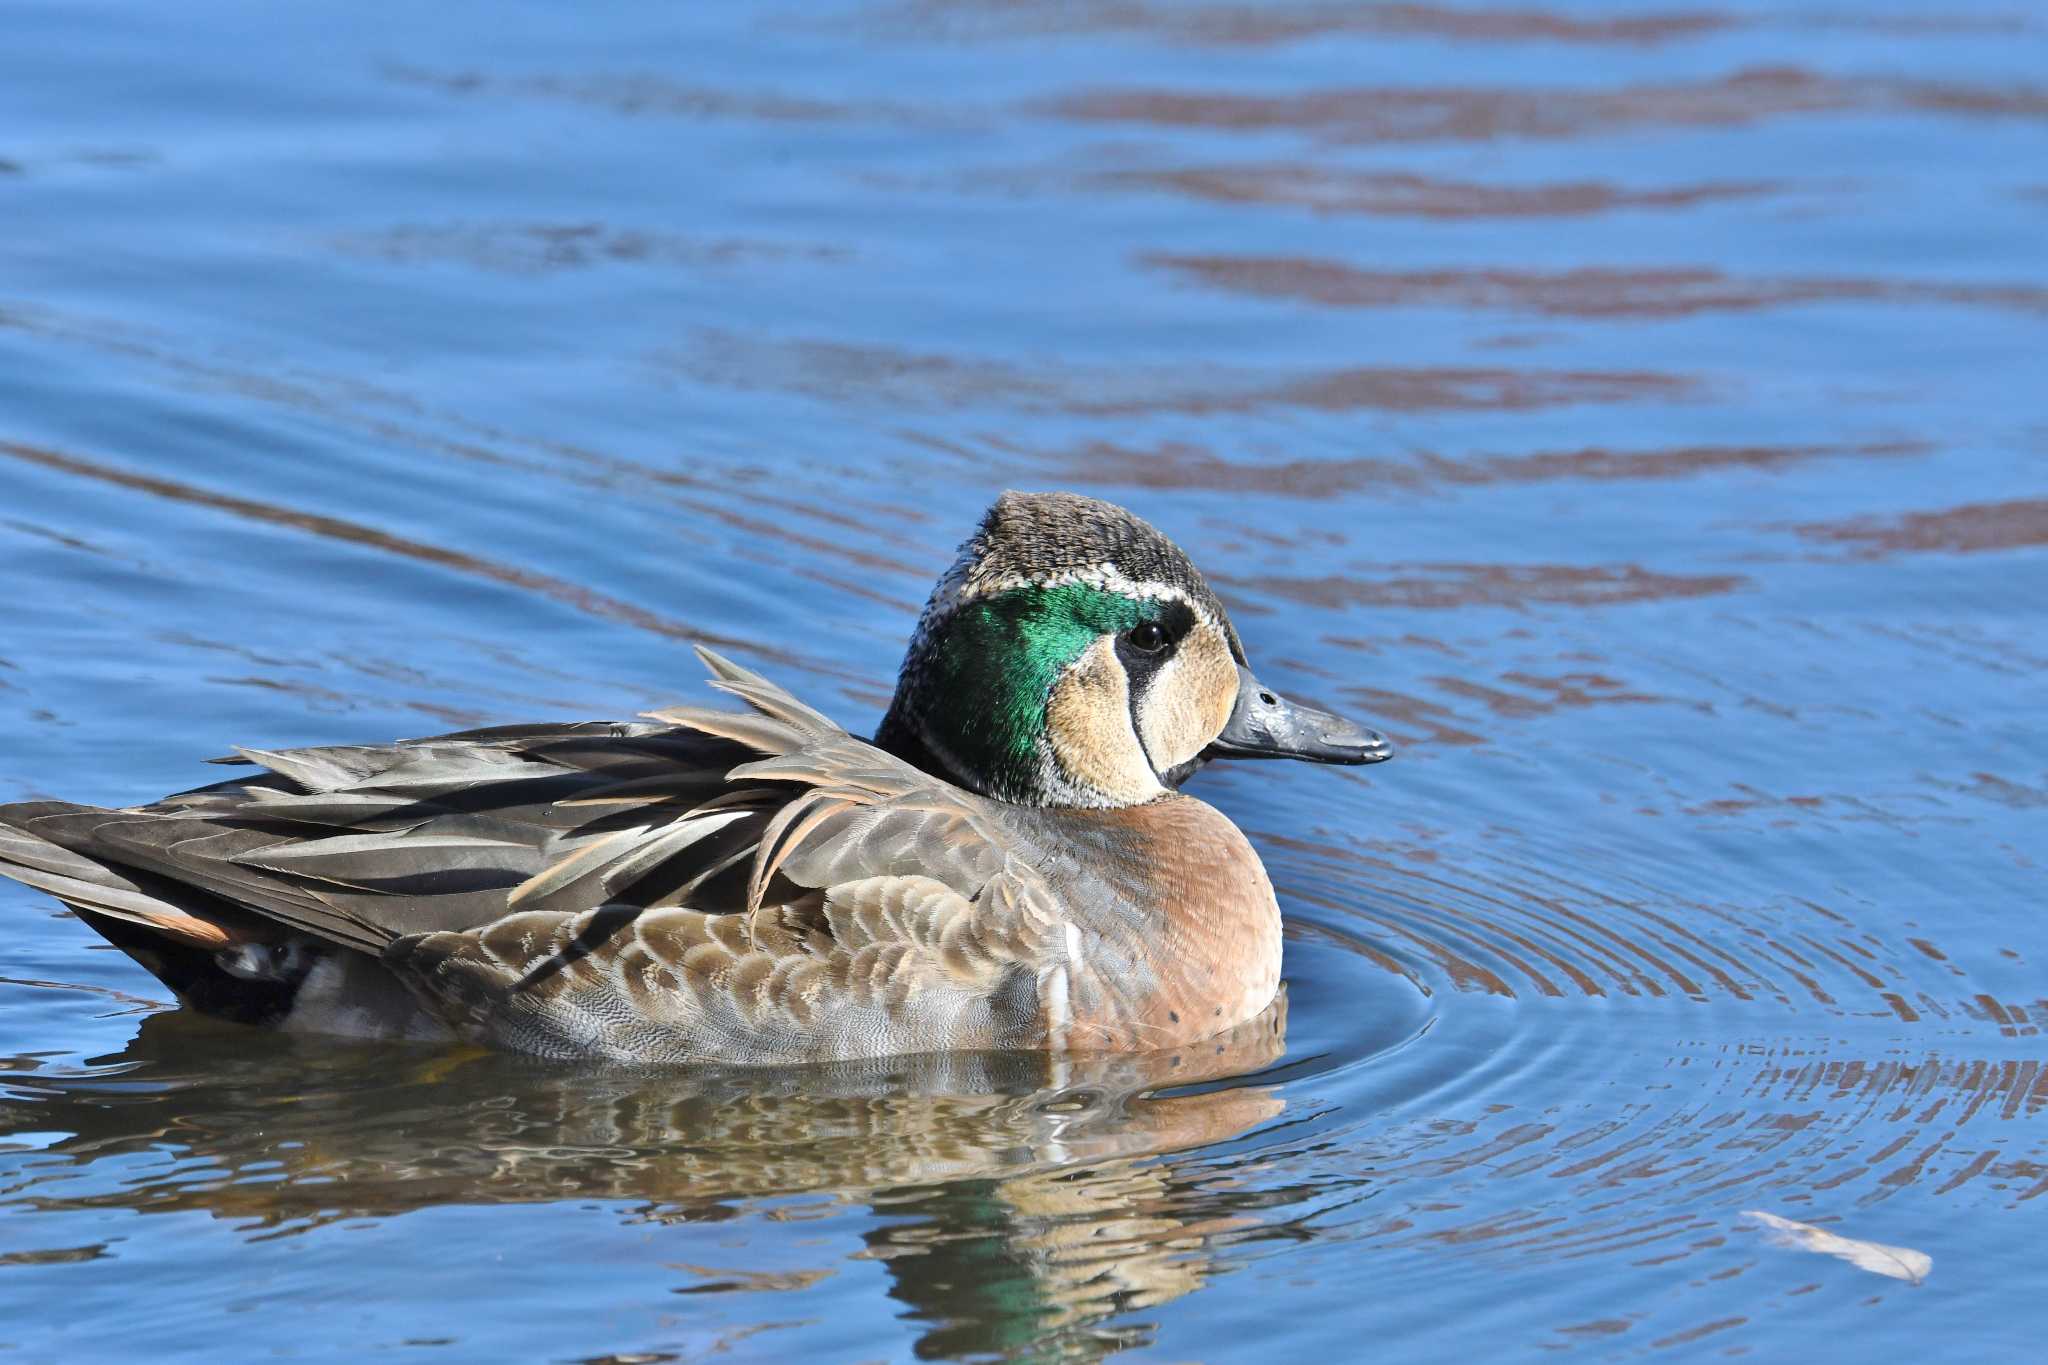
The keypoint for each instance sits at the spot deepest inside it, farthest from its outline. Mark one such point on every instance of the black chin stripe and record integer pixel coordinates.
(1142, 670)
(1137, 686)
(1132, 692)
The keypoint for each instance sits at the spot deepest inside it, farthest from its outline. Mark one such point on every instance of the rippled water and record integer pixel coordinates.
(1639, 412)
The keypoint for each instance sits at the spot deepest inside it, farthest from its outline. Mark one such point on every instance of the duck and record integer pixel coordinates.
(1008, 864)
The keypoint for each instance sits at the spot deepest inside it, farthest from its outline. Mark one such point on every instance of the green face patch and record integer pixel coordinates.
(997, 665)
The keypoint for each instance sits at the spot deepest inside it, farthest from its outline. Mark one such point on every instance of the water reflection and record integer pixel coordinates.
(1403, 194)
(1409, 114)
(1588, 292)
(1024, 1193)
(1241, 24)
(864, 375)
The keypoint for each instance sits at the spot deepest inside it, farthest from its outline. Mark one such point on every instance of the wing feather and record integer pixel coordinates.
(756, 884)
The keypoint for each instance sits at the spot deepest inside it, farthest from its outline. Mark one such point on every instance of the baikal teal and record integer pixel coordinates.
(763, 888)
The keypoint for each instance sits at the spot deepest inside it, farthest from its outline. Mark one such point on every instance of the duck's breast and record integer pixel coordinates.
(1174, 933)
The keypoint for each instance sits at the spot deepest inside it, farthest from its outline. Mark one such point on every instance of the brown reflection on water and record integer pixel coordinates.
(1541, 695)
(1991, 787)
(1460, 711)
(1974, 528)
(1356, 115)
(1256, 25)
(1942, 1102)
(1179, 465)
(874, 375)
(1441, 586)
(1593, 292)
(1394, 194)
(1419, 114)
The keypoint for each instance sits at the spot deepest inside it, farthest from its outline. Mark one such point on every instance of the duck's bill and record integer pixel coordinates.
(1265, 724)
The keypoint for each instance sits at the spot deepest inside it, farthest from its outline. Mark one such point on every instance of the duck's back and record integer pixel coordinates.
(274, 898)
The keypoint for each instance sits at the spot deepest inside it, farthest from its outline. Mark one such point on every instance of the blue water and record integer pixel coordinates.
(1637, 412)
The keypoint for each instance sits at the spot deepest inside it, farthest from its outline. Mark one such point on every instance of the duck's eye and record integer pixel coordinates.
(1148, 637)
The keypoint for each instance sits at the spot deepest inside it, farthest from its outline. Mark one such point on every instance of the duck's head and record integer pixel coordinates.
(1073, 656)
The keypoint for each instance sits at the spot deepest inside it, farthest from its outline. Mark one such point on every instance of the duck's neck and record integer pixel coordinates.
(1004, 758)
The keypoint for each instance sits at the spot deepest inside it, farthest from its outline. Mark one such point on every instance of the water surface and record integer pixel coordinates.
(1636, 410)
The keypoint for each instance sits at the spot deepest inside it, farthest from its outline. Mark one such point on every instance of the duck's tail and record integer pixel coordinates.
(188, 939)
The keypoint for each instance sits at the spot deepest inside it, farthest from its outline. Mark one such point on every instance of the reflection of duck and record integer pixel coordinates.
(356, 1135)
(1007, 866)
(1030, 1264)
(1024, 1176)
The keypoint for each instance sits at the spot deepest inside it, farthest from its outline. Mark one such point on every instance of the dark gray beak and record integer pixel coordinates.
(1264, 724)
